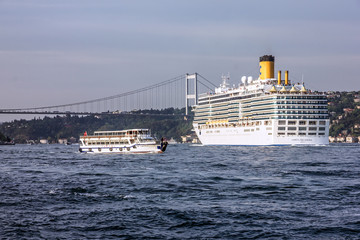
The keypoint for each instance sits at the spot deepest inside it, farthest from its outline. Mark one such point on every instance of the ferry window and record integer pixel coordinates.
(112, 143)
(322, 122)
(302, 128)
(302, 133)
(246, 130)
(282, 122)
(292, 122)
(302, 122)
(322, 134)
(292, 128)
(102, 143)
(269, 133)
(281, 128)
(312, 122)
(98, 143)
(312, 128)
(321, 129)
(107, 143)
(312, 134)
(269, 128)
(281, 134)
(291, 134)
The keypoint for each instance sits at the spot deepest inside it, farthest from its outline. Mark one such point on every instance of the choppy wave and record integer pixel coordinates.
(190, 192)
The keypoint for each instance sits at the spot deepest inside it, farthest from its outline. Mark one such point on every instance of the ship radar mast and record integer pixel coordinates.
(225, 79)
(224, 86)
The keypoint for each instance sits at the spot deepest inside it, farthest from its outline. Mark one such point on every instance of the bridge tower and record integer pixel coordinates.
(190, 94)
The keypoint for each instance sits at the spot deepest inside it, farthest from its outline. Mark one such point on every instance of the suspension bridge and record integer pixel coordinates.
(178, 92)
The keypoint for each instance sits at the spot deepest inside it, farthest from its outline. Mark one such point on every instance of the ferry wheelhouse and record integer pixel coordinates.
(265, 111)
(124, 141)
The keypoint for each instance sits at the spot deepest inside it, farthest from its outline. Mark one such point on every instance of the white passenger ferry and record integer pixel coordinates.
(125, 141)
(265, 111)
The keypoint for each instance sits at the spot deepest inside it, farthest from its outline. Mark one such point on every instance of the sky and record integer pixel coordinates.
(59, 52)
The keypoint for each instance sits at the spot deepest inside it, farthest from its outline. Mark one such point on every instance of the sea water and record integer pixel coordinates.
(189, 192)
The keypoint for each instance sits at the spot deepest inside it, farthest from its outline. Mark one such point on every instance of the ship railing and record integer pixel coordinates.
(296, 93)
(134, 135)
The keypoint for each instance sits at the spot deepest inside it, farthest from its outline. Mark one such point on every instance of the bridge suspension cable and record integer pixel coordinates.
(165, 94)
(207, 80)
(104, 98)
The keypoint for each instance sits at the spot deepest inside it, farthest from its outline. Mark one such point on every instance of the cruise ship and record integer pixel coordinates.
(263, 111)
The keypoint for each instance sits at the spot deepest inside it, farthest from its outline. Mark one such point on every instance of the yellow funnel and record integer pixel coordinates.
(286, 78)
(266, 67)
(279, 77)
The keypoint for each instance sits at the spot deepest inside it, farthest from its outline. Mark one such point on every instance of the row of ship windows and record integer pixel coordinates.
(301, 122)
(302, 107)
(301, 97)
(289, 97)
(301, 134)
(301, 117)
(266, 117)
(227, 99)
(286, 100)
(253, 112)
(251, 108)
(254, 95)
(288, 115)
(299, 105)
(288, 105)
(275, 105)
(280, 133)
(301, 128)
(108, 143)
(227, 96)
(251, 104)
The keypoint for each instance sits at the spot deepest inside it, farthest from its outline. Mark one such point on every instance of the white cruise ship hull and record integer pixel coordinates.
(224, 137)
(263, 135)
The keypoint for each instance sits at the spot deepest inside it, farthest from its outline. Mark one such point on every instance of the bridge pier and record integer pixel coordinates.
(188, 94)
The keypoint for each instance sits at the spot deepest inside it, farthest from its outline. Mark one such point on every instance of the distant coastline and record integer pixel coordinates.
(343, 107)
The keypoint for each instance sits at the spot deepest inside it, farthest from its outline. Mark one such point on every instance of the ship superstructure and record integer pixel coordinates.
(263, 111)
